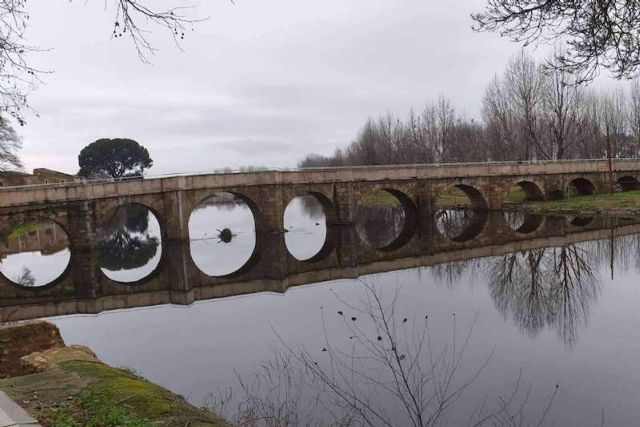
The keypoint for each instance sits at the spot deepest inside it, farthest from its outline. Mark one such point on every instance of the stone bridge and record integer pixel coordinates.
(81, 207)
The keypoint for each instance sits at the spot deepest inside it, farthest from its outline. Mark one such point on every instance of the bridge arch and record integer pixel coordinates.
(581, 186)
(321, 201)
(202, 241)
(130, 243)
(628, 183)
(370, 219)
(461, 221)
(532, 191)
(478, 201)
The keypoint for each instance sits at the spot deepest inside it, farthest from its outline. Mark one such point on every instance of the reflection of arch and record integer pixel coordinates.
(531, 190)
(474, 222)
(410, 220)
(581, 221)
(628, 183)
(260, 231)
(529, 224)
(112, 210)
(330, 237)
(409, 224)
(125, 231)
(72, 254)
(582, 187)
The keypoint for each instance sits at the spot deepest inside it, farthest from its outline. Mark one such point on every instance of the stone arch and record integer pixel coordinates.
(410, 211)
(330, 218)
(478, 201)
(260, 231)
(40, 216)
(582, 186)
(628, 183)
(533, 192)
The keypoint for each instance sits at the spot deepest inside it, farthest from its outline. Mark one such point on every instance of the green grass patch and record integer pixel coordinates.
(628, 200)
(455, 197)
(381, 198)
(97, 395)
(452, 197)
(516, 195)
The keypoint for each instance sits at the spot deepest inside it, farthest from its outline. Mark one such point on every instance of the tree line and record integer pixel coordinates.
(533, 110)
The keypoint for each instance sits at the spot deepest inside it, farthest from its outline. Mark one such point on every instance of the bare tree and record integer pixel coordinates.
(560, 100)
(524, 82)
(133, 18)
(597, 33)
(634, 115)
(10, 143)
(613, 118)
(390, 371)
(500, 120)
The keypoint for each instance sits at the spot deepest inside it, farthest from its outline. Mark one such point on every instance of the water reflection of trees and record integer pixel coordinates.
(25, 278)
(224, 201)
(311, 207)
(460, 224)
(546, 287)
(124, 241)
(379, 225)
(551, 287)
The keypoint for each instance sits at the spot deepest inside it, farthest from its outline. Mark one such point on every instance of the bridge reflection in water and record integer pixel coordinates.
(539, 269)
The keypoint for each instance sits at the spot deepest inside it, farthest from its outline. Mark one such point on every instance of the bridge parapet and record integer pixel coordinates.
(498, 172)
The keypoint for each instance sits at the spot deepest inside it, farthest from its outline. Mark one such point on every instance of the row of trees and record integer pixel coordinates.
(532, 111)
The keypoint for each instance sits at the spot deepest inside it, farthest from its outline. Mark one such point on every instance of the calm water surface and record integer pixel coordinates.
(563, 315)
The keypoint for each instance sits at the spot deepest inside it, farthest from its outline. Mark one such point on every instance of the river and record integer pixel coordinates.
(550, 328)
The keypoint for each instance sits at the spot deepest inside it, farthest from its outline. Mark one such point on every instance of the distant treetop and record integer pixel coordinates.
(115, 158)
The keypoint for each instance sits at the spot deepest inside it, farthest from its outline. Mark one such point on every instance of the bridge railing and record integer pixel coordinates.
(228, 171)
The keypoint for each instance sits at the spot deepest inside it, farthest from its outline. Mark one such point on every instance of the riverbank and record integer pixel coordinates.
(69, 386)
(621, 204)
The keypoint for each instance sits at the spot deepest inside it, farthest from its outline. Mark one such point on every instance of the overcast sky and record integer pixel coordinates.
(261, 82)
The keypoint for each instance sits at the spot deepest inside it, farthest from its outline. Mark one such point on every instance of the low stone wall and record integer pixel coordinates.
(21, 339)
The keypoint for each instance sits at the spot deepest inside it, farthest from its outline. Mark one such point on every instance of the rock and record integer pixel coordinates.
(225, 235)
(23, 338)
(41, 361)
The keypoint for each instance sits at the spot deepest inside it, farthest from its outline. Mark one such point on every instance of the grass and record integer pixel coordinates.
(619, 202)
(451, 197)
(616, 202)
(85, 393)
(381, 198)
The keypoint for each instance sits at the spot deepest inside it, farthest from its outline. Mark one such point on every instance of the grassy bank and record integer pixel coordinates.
(623, 203)
(74, 389)
(616, 204)
(452, 197)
